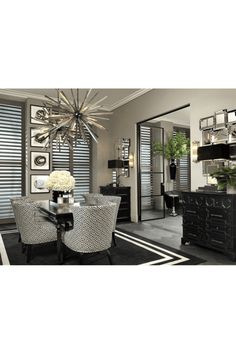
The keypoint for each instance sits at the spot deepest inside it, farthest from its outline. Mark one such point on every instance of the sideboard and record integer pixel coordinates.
(209, 220)
(124, 193)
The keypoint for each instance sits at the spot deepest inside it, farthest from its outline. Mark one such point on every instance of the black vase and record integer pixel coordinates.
(172, 169)
(56, 194)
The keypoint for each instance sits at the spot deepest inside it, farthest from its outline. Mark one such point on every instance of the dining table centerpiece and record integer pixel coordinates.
(60, 183)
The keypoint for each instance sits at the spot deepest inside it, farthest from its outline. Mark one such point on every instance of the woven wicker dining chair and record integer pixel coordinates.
(92, 232)
(34, 228)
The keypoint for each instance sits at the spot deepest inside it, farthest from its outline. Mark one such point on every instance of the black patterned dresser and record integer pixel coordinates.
(209, 220)
(124, 193)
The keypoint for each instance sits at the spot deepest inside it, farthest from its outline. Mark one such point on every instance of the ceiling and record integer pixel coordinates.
(180, 117)
(115, 97)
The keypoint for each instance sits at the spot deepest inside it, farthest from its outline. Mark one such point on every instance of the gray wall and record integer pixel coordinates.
(203, 102)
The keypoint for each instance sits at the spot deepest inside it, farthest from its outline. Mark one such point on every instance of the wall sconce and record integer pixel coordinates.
(195, 145)
(131, 160)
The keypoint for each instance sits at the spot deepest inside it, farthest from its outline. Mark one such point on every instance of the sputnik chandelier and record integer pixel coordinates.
(68, 121)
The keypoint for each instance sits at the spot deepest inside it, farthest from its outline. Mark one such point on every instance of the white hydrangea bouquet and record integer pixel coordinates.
(60, 181)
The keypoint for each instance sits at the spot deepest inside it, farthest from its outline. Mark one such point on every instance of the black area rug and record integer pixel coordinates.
(131, 249)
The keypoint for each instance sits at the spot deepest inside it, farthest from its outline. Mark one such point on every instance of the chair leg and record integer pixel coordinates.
(28, 253)
(19, 238)
(62, 254)
(81, 258)
(23, 247)
(113, 238)
(109, 257)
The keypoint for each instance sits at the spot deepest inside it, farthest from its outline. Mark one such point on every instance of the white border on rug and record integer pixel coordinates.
(144, 244)
(3, 252)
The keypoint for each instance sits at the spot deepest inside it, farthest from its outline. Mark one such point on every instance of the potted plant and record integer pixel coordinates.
(226, 178)
(176, 147)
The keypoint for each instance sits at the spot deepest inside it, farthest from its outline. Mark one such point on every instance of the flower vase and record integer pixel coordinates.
(66, 198)
(172, 167)
(56, 195)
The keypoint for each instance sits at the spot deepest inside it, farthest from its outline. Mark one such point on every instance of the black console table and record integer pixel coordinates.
(124, 193)
(209, 220)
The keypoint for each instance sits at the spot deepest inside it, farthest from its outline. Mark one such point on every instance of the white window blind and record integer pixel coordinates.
(78, 162)
(11, 164)
(183, 175)
(146, 164)
(81, 169)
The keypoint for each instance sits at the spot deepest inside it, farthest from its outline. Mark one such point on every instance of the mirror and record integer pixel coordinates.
(125, 152)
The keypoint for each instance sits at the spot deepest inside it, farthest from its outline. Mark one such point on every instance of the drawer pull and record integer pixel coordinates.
(191, 211)
(190, 234)
(217, 215)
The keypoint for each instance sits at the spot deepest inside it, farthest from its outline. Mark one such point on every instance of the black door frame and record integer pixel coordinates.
(138, 154)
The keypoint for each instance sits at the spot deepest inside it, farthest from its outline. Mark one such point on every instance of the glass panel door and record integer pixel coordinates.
(151, 173)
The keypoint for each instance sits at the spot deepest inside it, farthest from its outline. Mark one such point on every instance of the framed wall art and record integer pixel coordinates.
(38, 184)
(39, 160)
(207, 123)
(34, 110)
(33, 141)
(221, 119)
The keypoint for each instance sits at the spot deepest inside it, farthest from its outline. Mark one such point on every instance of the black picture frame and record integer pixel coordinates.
(33, 188)
(33, 110)
(39, 161)
(33, 142)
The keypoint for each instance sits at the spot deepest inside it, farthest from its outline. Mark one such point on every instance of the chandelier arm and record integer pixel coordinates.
(63, 108)
(77, 94)
(92, 98)
(76, 132)
(54, 136)
(45, 108)
(51, 99)
(100, 113)
(83, 135)
(99, 101)
(85, 98)
(98, 125)
(94, 108)
(66, 101)
(92, 133)
(75, 105)
(95, 117)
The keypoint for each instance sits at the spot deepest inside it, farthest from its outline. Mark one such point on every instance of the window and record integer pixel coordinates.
(78, 162)
(183, 174)
(12, 161)
(146, 164)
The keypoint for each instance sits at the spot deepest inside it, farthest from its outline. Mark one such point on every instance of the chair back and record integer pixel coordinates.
(110, 199)
(90, 198)
(33, 230)
(93, 226)
(13, 202)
